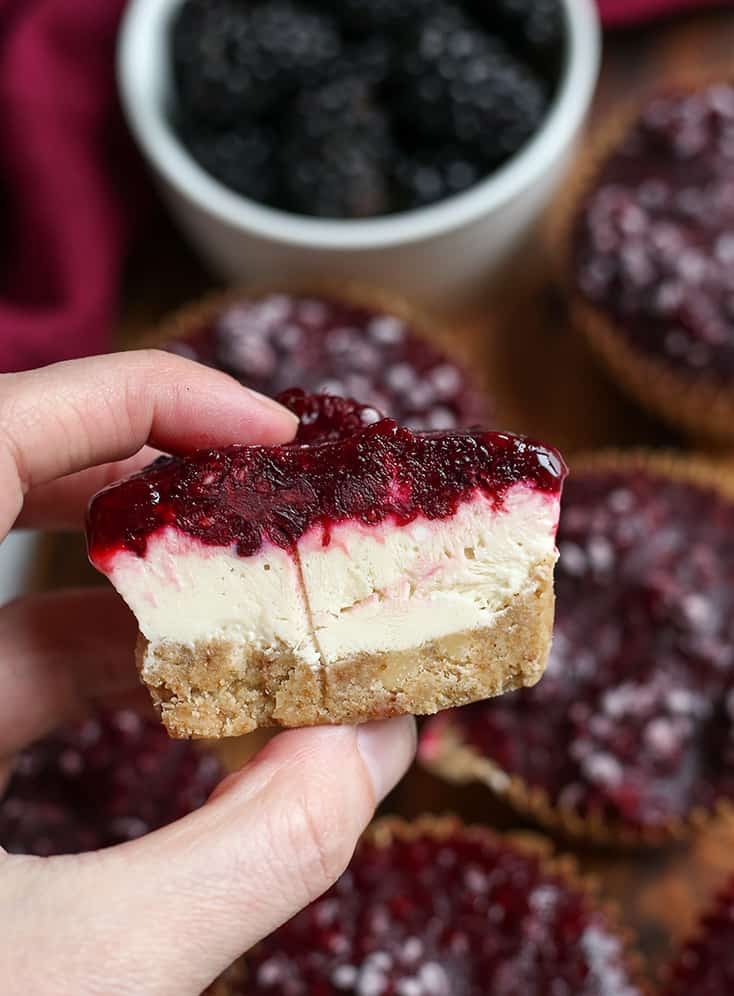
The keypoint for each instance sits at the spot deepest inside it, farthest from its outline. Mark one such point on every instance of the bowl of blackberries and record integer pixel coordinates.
(412, 142)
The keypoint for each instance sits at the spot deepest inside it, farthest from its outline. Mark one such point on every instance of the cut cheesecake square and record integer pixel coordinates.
(360, 572)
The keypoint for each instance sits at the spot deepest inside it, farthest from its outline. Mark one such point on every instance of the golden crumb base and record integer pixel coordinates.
(219, 688)
(445, 753)
(698, 406)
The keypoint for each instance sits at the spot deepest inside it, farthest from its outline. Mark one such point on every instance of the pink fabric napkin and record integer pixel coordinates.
(69, 180)
(620, 12)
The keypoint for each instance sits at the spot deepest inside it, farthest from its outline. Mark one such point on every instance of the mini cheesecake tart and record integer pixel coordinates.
(363, 571)
(99, 782)
(645, 240)
(628, 739)
(433, 908)
(352, 342)
(705, 964)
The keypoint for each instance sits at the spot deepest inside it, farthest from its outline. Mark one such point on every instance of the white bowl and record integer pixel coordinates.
(436, 253)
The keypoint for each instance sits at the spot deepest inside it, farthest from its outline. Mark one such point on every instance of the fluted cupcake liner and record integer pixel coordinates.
(704, 963)
(700, 407)
(444, 751)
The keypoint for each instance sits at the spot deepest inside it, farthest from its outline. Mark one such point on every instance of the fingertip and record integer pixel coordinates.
(387, 749)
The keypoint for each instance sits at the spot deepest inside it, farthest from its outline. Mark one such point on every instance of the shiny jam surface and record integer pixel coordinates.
(347, 462)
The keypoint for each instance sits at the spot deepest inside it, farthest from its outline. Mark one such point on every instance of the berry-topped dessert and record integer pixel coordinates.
(705, 965)
(99, 782)
(362, 571)
(358, 108)
(355, 345)
(435, 909)
(650, 250)
(631, 733)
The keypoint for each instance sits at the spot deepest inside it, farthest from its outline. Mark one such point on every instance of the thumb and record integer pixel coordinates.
(168, 913)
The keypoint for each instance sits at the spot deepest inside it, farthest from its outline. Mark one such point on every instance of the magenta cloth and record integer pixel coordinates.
(621, 12)
(69, 180)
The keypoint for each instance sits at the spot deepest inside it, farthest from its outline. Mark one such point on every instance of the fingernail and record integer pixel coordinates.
(387, 749)
(272, 405)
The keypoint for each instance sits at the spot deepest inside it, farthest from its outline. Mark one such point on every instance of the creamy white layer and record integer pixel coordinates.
(184, 590)
(391, 588)
(370, 589)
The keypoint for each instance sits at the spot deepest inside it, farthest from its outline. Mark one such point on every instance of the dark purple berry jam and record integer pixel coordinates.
(705, 966)
(654, 245)
(634, 718)
(348, 462)
(464, 916)
(325, 345)
(100, 782)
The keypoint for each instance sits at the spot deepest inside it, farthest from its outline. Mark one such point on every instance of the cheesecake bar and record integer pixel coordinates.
(362, 571)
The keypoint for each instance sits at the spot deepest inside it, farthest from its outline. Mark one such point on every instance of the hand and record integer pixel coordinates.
(167, 913)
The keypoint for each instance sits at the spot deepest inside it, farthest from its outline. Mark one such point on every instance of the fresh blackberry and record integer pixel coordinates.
(429, 175)
(232, 59)
(359, 16)
(534, 29)
(336, 152)
(243, 159)
(371, 60)
(536, 24)
(458, 84)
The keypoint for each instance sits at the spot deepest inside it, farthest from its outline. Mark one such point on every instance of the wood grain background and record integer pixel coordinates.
(547, 385)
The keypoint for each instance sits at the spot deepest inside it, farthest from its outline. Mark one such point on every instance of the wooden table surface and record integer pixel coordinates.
(545, 384)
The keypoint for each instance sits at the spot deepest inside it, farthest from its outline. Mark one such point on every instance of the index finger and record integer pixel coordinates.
(73, 415)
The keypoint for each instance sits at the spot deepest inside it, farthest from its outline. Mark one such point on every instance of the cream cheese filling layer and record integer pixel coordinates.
(183, 590)
(390, 588)
(365, 590)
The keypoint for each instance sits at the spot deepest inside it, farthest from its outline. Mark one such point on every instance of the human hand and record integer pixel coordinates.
(167, 913)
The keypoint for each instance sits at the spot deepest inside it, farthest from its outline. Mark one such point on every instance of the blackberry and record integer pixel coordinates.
(534, 29)
(359, 16)
(430, 175)
(371, 60)
(458, 84)
(336, 153)
(242, 159)
(232, 60)
(536, 24)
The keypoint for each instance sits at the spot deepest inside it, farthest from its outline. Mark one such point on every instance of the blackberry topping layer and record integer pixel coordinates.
(356, 465)
(654, 244)
(634, 720)
(464, 914)
(323, 344)
(100, 782)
